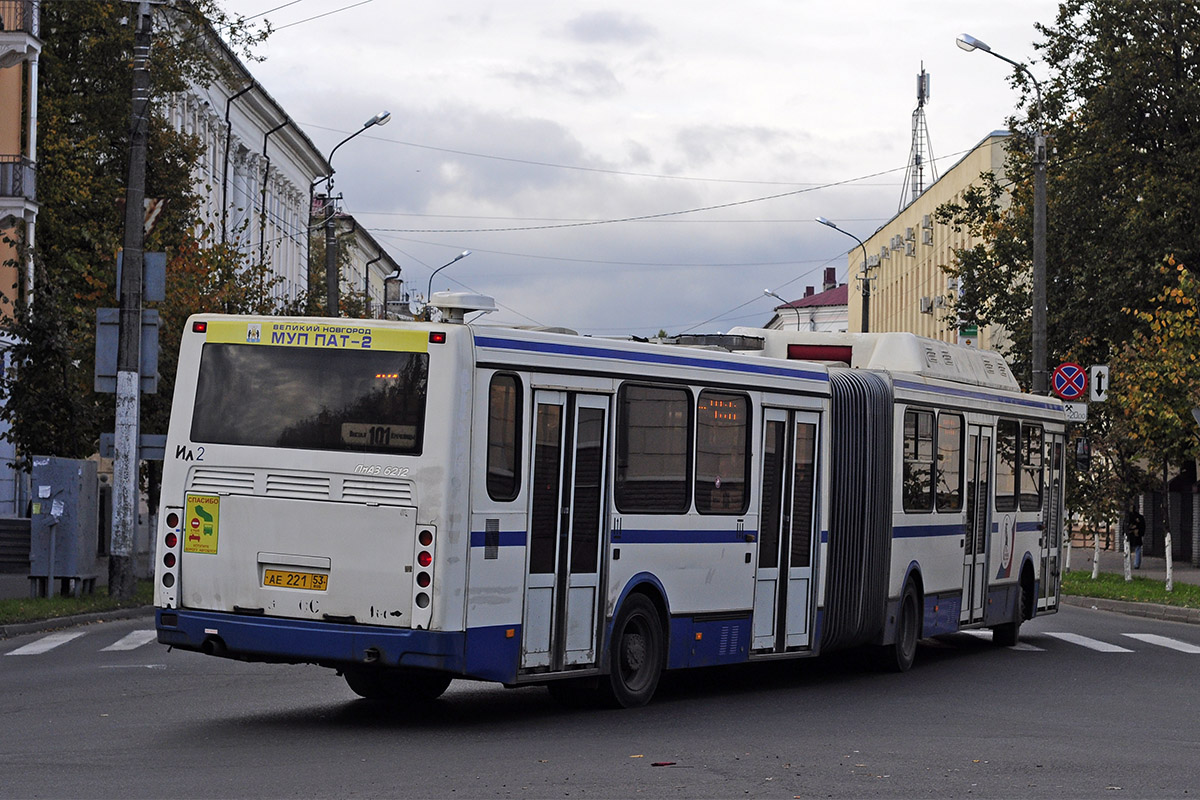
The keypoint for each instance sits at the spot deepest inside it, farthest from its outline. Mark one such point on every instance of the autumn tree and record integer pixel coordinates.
(1156, 375)
(1121, 105)
(84, 91)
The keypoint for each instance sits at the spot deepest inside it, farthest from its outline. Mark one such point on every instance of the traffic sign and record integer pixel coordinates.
(1099, 382)
(1069, 381)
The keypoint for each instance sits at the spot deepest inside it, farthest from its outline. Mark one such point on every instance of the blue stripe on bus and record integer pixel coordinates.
(1027, 401)
(505, 539)
(650, 358)
(922, 531)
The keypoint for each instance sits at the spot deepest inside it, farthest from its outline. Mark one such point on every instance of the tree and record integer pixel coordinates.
(1121, 106)
(84, 86)
(1156, 377)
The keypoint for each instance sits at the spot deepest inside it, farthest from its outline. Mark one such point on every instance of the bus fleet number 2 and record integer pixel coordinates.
(376, 469)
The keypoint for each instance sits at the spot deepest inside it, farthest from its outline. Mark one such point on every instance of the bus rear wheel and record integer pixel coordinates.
(636, 653)
(900, 654)
(396, 685)
(1009, 634)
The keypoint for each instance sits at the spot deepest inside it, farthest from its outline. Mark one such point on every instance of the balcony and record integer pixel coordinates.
(20, 31)
(18, 178)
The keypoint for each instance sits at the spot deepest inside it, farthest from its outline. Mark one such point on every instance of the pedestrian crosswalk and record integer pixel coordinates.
(1039, 643)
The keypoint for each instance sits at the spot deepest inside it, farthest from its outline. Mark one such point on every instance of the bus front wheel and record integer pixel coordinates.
(396, 686)
(636, 653)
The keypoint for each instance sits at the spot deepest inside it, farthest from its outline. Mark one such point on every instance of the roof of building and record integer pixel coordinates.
(838, 296)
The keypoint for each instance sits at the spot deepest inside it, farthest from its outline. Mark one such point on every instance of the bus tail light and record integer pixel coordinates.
(166, 589)
(422, 605)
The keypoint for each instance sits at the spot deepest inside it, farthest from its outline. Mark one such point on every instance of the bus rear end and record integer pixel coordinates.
(293, 527)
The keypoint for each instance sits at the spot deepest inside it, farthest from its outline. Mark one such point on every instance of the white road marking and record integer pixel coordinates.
(1091, 644)
(132, 641)
(1022, 646)
(1164, 641)
(45, 644)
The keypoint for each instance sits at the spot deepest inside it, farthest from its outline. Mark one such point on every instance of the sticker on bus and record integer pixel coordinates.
(203, 518)
(400, 437)
(323, 335)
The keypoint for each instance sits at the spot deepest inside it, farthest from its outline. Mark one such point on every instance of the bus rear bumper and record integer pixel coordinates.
(337, 645)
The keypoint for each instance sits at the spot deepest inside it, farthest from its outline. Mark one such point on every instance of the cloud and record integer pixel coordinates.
(609, 27)
(579, 78)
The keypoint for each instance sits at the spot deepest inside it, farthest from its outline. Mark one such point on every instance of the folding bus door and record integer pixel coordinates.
(787, 525)
(562, 584)
(1052, 525)
(978, 523)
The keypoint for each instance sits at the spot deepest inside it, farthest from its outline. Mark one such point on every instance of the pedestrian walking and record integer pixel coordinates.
(1135, 529)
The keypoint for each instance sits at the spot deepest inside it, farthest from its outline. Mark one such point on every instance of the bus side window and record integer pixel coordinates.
(722, 448)
(1031, 467)
(918, 461)
(1006, 464)
(949, 462)
(504, 438)
(653, 454)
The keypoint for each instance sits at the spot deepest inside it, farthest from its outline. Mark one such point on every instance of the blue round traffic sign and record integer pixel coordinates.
(1069, 381)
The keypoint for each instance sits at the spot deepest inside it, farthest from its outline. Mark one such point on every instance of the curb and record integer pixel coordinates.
(1150, 610)
(19, 628)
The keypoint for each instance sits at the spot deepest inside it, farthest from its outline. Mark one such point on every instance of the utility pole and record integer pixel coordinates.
(125, 463)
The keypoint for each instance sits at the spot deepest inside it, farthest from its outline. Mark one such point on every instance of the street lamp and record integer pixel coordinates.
(1041, 384)
(866, 282)
(429, 291)
(332, 279)
(769, 293)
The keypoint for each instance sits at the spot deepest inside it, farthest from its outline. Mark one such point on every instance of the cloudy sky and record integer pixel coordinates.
(620, 167)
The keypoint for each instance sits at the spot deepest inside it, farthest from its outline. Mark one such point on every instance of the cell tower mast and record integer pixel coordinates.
(920, 157)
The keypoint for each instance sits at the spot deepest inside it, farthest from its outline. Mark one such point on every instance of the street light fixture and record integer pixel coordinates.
(332, 279)
(429, 291)
(1041, 383)
(866, 281)
(769, 293)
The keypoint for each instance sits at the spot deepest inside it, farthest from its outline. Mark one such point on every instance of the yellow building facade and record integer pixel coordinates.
(906, 258)
(19, 50)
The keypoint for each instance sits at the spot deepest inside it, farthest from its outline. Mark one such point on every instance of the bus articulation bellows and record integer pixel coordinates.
(413, 502)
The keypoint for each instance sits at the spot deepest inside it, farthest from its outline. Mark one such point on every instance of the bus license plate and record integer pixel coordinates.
(295, 580)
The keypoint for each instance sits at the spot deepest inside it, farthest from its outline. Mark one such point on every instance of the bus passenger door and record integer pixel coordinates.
(570, 457)
(784, 574)
(979, 523)
(1052, 526)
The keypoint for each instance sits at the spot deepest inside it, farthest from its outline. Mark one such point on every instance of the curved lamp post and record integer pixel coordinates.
(769, 293)
(1041, 382)
(332, 279)
(429, 291)
(866, 282)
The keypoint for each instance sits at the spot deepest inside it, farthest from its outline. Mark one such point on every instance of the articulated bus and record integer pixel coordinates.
(413, 502)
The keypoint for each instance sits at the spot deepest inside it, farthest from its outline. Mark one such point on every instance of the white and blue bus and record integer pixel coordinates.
(413, 502)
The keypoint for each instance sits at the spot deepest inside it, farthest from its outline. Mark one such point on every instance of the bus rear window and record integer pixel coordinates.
(311, 399)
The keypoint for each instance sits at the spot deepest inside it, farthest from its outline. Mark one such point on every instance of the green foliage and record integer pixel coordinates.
(1156, 376)
(33, 609)
(84, 101)
(1121, 103)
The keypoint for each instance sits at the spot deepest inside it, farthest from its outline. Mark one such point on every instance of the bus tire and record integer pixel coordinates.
(636, 653)
(396, 685)
(900, 654)
(1009, 634)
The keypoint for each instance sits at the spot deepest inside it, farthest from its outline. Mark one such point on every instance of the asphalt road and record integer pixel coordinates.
(1054, 718)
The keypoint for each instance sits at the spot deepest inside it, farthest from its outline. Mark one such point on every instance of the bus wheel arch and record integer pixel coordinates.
(637, 648)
